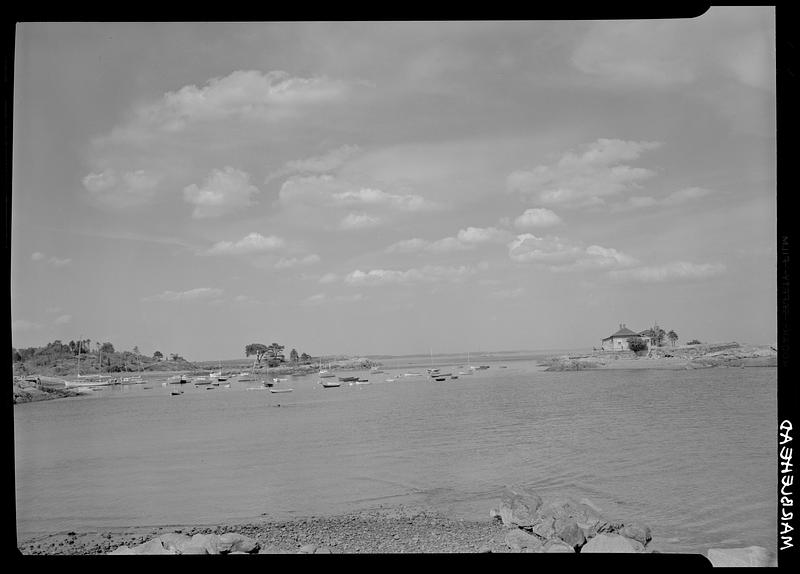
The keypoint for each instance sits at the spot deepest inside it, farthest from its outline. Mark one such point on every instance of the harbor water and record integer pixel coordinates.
(692, 453)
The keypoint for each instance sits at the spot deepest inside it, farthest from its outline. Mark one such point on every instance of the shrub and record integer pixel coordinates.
(637, 344)
(694, 342)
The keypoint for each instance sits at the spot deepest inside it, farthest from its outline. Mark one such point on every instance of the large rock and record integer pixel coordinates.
(637, 531)
(208, 541)
(611, 543)
(519, 540)
(567, 530)
(518, 507)
(234, 542)
(122, 551)
(189, 549)
(152, 547)
(544, 528)
(173, 540)
(737, 557)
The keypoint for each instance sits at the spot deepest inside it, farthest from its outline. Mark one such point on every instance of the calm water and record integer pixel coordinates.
(691, 453)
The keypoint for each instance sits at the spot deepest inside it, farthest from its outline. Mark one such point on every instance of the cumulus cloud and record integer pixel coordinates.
(224, 191)
(122, 190)
(585, 178)
(464, 240)
(251, 243)
(537, 217)
(198, 294)
(320, 298)
(564, 255)
(367, 196)
(52, 261)
(286, 263)
(359, 221)
(675, 271)
(245, 94)
(427, 274)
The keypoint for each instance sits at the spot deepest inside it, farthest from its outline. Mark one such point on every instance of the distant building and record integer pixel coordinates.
(619, 341)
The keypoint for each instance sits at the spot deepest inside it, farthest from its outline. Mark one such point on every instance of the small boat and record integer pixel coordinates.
(363, 382)
(440, 379)
(348, 379)
(148, 387)
(391, 380)
(277, 380)
(412, 374)
(330, 384)
(281, 390)
(210, 388)
(453, 376)
(174, 393)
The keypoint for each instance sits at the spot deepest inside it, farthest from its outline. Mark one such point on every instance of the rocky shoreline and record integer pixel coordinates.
(523, 523)
(669, 358)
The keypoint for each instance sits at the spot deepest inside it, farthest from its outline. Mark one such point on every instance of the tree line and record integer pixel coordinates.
(100, 355)
(273, 354)
(657, 336)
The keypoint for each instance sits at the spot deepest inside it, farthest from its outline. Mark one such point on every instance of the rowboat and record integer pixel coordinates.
(281, 390)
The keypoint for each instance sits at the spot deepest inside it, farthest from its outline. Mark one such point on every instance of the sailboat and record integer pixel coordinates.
(89, 380)
(470, 368)
(325, 373)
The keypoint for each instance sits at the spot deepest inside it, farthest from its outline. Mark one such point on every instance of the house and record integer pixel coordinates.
(619, 341)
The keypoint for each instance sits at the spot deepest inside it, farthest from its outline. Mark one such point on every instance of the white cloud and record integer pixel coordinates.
(329, 278)
(62, 319)
(733, 42)
(537, 217)
(464, 240)
(425, 274)
(564, 255)
(224, 191)
(245, 94)
(370, 196)
(678, 197)
(251, 243)
(359, 221)
(127, 189)
(246, 299)
(676, 271)
(329, 161)
(320, 298)
(587, 178)
(52, 261)
(198, 294)
(285, 263)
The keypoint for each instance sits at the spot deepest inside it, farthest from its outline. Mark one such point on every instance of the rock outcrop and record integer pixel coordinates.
(178, 543)
(564, 525)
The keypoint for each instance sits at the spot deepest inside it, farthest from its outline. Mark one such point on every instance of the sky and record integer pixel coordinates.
(394, 187)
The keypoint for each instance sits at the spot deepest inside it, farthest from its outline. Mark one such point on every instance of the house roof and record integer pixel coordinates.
(623, 332)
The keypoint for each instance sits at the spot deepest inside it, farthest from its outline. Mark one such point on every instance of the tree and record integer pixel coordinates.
(275, 351)
(637, 344)
(107, 348)
(294, 357)
(305, 358)
(257, 349)
(158, 355)
(694, 342)
(136, 350)
(673, 337)
(656, 334)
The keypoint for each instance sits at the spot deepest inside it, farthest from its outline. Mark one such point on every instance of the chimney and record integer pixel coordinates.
(620, 326)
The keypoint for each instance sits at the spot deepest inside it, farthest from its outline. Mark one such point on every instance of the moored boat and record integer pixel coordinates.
(330, 384)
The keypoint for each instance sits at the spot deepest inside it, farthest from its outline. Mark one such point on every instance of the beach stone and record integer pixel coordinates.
(307, 549)
(555, 546)
(152, 547)
(637, 531)
(518, 507)
(611, 543)
(323, 550)
(122, 550)
(545, 527)
(756, 556)
(234, 542)
(568, 530)
(484, 550)
(518, 540)
(172, 540)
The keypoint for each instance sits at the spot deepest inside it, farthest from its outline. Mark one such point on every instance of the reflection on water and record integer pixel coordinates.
(692, 453)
